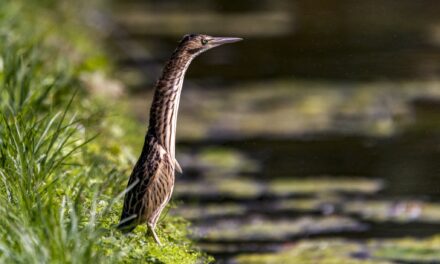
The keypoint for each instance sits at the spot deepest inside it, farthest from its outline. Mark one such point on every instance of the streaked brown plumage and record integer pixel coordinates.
(152, 180)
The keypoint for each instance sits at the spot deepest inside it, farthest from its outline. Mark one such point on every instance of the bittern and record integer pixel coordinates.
(152, 180)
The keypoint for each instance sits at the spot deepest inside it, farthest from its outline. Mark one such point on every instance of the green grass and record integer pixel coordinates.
(63, 165)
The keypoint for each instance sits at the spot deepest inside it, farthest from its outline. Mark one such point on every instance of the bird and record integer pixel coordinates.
(151, 182)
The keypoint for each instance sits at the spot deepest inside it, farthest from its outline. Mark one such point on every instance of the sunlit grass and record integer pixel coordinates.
(61, 182)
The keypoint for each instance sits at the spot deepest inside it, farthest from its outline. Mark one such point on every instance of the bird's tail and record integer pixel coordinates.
(127, 224)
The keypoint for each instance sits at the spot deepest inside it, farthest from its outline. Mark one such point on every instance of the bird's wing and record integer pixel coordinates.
(149, 166)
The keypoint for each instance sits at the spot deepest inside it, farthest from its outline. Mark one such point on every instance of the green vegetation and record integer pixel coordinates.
(242, 187)
(329, 251)
(209, 210)
(396, 211)
(267, 229)
(408, 250)
(293, 107)
(65, 155)
(325, 185)
(322, 252)
(224, 160)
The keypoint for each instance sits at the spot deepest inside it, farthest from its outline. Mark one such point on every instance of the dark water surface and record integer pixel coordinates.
(343, 40)
(339, 41)
(409, 164)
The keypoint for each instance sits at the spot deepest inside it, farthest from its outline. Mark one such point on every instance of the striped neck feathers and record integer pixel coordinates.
(165, 105)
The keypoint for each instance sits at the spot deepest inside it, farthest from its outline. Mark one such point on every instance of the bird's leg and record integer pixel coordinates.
(151, 229)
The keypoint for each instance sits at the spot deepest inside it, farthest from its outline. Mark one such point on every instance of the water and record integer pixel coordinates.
(322, 123)
(408, 164)
(345, 40)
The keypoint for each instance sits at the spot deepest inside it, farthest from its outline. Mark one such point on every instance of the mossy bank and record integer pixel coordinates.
(66, 153)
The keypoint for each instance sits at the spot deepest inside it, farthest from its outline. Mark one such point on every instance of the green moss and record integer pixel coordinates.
(313, 252)
(238, 187)
(408, 250)
(324, 185)
(315, 106)
(262, 229)
(308, 204)
(217, 161)
(213, 210)
(399, 211)
(352, 252)
(241, 187)
(64, 162)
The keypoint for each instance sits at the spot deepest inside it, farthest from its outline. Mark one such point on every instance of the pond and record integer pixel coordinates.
(318, 134)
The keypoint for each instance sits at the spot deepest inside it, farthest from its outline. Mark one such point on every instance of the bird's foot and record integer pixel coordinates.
(156, 238)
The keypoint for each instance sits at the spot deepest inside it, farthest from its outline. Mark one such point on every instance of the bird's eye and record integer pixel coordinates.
(204, 41)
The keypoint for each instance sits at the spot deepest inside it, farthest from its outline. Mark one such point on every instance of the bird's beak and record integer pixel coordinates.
(222, 40)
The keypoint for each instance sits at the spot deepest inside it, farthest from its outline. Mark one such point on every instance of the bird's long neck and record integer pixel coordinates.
(165, 105)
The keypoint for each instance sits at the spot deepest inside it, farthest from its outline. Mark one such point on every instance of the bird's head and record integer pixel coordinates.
(194, 44)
